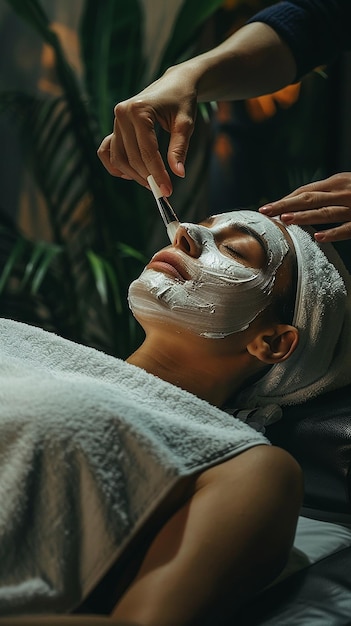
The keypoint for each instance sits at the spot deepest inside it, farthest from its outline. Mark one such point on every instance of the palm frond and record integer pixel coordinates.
(100, 225)
(191, 17)
(111, 30)
(40, 301)
(61, 172)
(33, 13)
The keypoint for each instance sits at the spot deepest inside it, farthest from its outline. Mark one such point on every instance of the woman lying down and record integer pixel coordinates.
(140, 468)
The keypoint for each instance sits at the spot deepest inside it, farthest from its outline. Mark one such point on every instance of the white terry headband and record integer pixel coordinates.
(322, 315)
(299, 276)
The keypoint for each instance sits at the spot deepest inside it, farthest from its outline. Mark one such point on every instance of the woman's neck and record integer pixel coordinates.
(190, 365)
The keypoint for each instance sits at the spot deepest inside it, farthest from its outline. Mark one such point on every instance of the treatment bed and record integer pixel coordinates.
(318, 434)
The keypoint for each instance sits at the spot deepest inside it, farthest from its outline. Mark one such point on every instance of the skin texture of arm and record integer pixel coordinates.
(214, 547)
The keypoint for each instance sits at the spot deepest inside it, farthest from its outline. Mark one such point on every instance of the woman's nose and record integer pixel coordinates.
(185, 242)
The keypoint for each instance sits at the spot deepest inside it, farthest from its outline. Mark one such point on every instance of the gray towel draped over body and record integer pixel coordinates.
(89, 446)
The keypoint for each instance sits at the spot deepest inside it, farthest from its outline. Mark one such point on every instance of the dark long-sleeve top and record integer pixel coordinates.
(316, 31)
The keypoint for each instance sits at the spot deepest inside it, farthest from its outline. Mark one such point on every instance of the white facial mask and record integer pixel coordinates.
(223, 296)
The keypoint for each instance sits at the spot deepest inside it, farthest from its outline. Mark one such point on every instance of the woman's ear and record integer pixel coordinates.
(275, 344)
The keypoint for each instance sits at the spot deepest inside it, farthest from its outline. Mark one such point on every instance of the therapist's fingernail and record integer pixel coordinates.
(288, 218)
(181, 169)
(265, 209)
(166, 191)
(319, 236)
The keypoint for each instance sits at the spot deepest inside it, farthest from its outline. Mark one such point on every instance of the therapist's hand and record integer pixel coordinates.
(326, 201)
(132, 150)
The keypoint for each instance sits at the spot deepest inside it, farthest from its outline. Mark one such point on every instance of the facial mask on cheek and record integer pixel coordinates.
(223, 296)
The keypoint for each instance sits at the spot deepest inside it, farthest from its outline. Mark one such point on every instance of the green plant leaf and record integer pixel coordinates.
(191, 17)
(111, 37)
(131, 252)
(113, 282)
(44, 306)
(39, 262)
(87, 209)
(97, 265)
(32, 263)
(13, 259)
(105, 278)
(33, 13)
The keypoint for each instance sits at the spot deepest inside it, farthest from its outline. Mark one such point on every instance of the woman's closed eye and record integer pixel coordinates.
(233, 252)
(242, 253)
(244, 248)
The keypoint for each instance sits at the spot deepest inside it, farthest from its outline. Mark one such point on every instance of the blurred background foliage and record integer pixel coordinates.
(68, 267)
(265, 147)
(72, 236)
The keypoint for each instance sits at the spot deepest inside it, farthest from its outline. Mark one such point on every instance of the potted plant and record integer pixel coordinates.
(76, 284)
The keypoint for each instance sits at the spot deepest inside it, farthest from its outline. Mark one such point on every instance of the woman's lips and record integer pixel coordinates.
(169, 263)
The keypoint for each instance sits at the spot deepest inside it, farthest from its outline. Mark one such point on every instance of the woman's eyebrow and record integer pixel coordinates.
(208, 222)
(253, 233)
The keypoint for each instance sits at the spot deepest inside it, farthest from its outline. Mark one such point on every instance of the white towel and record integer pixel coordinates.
(322, 360)
(89, 446)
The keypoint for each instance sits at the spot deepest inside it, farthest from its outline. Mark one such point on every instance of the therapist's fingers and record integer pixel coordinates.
(302, 201)
(134, 144)
(338, 184)
(170, 104)
(181, 132)
(112, 155)
(340, 215)
(135, 121)
(313, 207)
(323, 215)
(337, 233)
(334, 191)
(104, 154)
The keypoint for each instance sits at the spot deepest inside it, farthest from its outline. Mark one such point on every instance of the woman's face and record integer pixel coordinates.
(216, 277)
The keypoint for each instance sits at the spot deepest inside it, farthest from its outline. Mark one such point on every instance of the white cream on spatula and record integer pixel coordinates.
(168, 215)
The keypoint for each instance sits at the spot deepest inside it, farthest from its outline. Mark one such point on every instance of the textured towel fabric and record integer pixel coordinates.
(322, 360)
(89, 445)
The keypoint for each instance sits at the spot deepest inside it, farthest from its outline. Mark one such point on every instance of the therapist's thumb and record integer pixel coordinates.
(179, 143)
